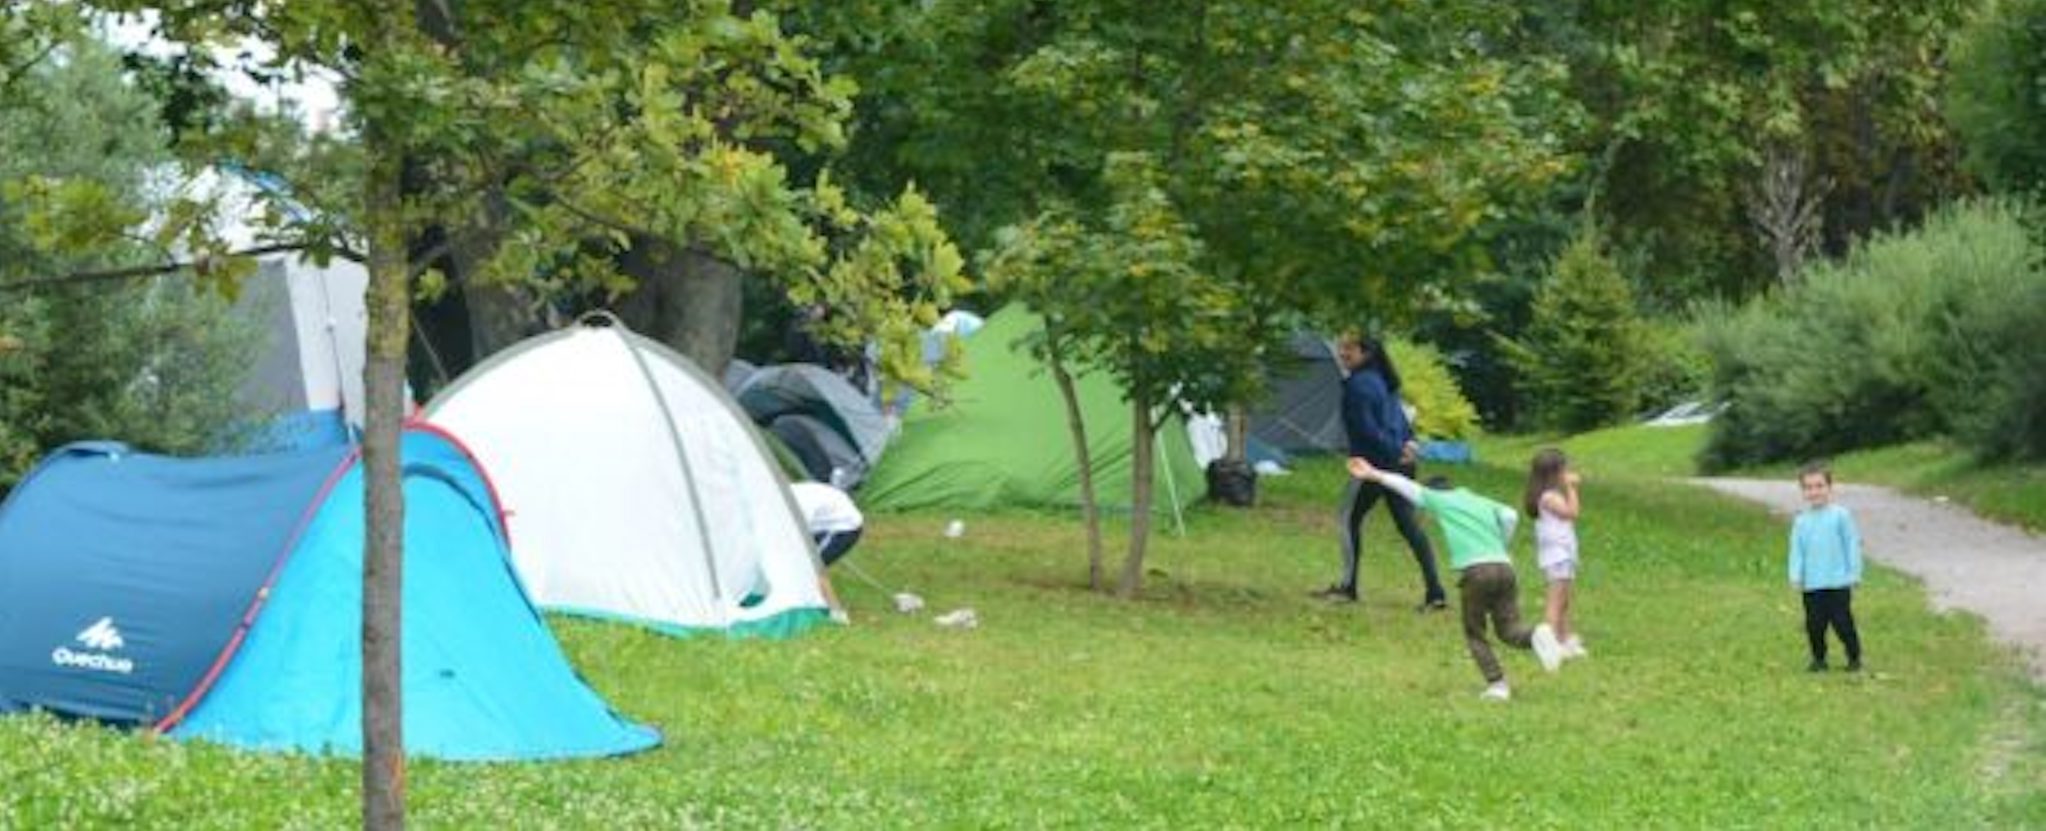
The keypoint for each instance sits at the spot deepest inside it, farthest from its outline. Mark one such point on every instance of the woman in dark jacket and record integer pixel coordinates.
(1377, 428)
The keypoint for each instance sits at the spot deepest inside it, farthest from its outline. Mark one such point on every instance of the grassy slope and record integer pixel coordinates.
(2013, 493)
(1633, 451)
(1225, 697)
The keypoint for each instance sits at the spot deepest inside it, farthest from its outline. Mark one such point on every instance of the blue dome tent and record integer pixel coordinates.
(220, 599)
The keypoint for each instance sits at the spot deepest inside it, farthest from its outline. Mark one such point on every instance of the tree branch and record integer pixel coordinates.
(14, 74)
(119, 274)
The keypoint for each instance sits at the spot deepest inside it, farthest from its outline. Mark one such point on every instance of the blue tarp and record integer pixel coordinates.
(155, 562)
(1452, 452)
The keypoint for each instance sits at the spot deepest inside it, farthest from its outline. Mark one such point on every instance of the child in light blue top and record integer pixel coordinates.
(1825, 564)
(1825, 550)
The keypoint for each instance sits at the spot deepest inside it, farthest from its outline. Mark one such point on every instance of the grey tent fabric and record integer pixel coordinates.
(808, 389)
(737, 373)
(820, 449)
(1303, 414)
(313, 323)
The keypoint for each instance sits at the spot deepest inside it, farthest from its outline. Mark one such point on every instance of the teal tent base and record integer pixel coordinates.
(782, 625)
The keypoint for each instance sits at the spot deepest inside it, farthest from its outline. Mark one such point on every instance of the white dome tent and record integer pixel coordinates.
(635, 488)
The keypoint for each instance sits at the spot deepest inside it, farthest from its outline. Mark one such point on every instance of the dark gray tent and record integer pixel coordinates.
(1303, 413)
(776, 393)
(820, 450)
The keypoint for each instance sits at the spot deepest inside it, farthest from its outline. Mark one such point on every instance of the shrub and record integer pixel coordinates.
(1441, 410)
(1912, 335)
(1584, 357)
(1678, 368)
(2008, 417)
(155, 366)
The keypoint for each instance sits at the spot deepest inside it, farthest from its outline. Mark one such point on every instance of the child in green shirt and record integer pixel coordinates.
(1477, 530)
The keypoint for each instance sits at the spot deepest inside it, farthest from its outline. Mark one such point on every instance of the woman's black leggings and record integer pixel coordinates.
(1358, 498)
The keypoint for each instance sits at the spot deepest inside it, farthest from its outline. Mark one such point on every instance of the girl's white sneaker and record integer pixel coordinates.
(1547, 649)
(1574, 648)
(1498, 691)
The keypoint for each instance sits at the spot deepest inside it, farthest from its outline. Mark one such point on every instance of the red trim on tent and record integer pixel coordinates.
(462, 447)
(305, 521)
(241, 630)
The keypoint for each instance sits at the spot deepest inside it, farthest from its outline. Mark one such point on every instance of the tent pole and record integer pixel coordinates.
(653, 388)
(1171, 485)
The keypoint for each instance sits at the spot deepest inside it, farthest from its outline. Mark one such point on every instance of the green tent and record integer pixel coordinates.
(1003, 440)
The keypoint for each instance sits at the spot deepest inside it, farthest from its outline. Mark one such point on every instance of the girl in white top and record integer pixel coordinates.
(1552, 500)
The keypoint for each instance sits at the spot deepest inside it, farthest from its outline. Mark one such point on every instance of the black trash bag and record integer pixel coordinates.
(1232, 483)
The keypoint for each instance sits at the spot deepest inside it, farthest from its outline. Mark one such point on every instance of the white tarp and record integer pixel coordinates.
(634, 486)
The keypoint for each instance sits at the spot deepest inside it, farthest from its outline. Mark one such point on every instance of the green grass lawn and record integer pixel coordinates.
(1633, 451)
(1225, 697)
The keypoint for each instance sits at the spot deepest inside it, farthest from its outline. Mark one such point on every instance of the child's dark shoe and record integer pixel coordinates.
(1816, 666)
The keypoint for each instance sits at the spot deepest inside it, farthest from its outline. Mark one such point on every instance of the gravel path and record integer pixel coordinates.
(1995, 571)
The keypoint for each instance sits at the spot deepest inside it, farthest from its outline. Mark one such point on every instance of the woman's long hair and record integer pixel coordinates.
(1377, 360)
(1546, 474)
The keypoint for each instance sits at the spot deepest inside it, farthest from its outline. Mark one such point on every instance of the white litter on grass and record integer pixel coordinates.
(958, 619)
(907, 603)
(955, 529)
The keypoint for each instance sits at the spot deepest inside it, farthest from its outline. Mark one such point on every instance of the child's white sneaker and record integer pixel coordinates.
(1546, 649)
(1574, 648)
(1498, 691)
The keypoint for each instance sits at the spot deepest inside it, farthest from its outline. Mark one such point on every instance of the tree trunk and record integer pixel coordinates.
(1143, 443)
(1090, 507)
(498, 315)
(687, 299)
(1239, 435)
(383, 738)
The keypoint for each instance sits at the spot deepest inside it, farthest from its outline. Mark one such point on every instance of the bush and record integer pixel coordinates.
(1678, 371)
(1913, 335)
(1585, 355)
(1441, 410)
(155, 366)
(2008, 419)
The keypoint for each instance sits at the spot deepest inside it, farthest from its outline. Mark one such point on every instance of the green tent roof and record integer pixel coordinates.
(1003, 440)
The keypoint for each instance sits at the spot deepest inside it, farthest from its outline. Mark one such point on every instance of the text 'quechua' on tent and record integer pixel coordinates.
(221, 599)
(637, 489)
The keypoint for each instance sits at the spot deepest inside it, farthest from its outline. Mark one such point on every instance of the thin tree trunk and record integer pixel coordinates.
(383, 738)
(1239, 435)
(1090, 507)
(1143, 434)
